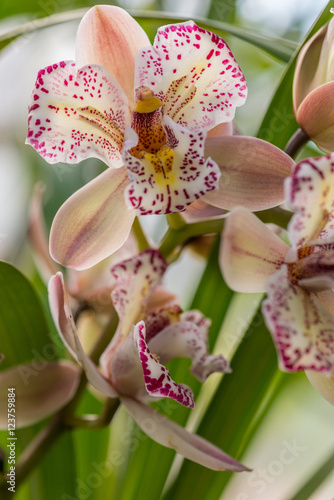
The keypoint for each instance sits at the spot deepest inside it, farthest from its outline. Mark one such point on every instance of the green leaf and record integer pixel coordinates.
(25, 338)
(23, 328)
(55, 477)
(279, 123)
(231, 412)
(319, 476)
(91, 446)
(150, 463)
(223, 10)
(38, 9)
(282, 49)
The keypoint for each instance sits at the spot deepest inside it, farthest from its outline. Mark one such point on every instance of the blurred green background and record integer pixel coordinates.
(299, 418)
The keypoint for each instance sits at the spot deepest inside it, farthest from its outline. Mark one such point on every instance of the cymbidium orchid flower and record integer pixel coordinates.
(299, 279)
(313, 87)
(149, 334)
(155, 115)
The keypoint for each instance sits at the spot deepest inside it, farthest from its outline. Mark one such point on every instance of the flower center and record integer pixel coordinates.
(298, 270)
(146, 122)
(160, 319)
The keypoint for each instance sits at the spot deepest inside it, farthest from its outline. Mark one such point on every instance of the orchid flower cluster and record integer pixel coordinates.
(161, 119)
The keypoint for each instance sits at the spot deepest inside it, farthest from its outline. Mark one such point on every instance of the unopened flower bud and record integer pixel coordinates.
(313, 87)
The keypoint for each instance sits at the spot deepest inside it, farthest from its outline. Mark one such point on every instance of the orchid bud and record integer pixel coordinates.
(313, 87)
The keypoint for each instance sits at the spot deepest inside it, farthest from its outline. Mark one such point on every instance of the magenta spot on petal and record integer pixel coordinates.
(210, 54)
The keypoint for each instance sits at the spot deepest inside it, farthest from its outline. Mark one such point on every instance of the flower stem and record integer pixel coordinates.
(96, 421)
(297, 141)
(176, 238)
(141, 239)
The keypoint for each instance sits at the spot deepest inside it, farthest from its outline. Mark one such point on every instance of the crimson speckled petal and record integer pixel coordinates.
(310, 192)
(77, 113)
(186, 339)
(302, 328)
(134, 281)
(172, 179)
(197, 73)
(157, 379)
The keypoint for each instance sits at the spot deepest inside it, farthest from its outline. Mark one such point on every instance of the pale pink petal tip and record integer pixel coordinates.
(250, 252)
(323, 384)
(109, 36)
(93, 223)
(40, 389)
(172, 435)
(63, 319)
(252, 173)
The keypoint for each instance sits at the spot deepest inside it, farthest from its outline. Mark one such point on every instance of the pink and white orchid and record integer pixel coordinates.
(150, 333)
(129, 103)
(299, 279)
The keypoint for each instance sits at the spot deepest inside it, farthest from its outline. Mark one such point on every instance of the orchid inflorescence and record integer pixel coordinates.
(160, 118)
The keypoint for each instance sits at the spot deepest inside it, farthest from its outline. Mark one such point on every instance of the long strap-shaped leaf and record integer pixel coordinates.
(231, 412)
(282, 49)
(325, 469)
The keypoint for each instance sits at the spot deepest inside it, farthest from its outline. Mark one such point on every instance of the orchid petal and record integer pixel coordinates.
(252, 173)
(188, 339)
(124, 370)
(173, 178)
(302, 328)
(306, 66)
(161, 298)
(94, 285)
(77, 114)
(38, 235)
(221, 130)
(199, 210)
(195, 74)
(63, 319)
(110, 37)
(324, 384)
(157, 379)
(310, 192)
(316, 270)
(40, 390)
(325, 71)
(250, 252)
(93, 223)
(133, 283)
(170, 434)
(316, 116)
